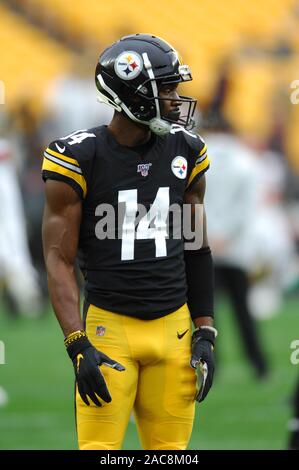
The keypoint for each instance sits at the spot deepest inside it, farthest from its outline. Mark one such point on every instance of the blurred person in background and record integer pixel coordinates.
(275, 263)
(17, 273)
(70, 102)
(27, 144)
(275, 258)
(231, 206)
(275, 232)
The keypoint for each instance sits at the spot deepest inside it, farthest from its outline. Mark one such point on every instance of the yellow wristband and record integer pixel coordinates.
(74, 336)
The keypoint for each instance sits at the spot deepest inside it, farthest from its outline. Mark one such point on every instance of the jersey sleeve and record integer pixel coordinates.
(198, 160)
(60, 164)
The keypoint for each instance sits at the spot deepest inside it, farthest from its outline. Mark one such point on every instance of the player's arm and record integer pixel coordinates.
(200, 283)
(61, 226)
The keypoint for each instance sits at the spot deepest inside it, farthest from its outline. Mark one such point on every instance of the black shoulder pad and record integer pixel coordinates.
(194, 141)
(80, 144)
(69, 159)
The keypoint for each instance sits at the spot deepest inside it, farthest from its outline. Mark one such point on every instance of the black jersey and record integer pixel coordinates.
(130, 262)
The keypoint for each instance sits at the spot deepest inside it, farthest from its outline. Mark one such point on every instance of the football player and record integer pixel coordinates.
(134, 346)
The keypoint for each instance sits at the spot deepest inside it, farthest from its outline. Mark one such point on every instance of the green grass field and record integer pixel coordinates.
(240, 412)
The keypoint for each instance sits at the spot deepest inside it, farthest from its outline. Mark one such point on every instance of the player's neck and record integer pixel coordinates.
(127, 132)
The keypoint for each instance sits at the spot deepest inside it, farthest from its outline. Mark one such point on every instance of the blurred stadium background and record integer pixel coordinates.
(244, 57)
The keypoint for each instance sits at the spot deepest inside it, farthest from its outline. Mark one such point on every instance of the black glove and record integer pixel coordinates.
(203, 357)
(86, 360)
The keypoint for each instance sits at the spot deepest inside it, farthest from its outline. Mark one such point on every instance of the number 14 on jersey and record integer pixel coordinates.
(153, 225)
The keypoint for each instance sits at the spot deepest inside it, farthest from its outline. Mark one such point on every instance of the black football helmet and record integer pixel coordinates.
(128, 76)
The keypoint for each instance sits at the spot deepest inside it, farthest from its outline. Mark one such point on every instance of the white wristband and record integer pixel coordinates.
(207, 327)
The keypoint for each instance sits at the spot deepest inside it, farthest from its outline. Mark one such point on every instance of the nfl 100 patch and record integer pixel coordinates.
(143, 168)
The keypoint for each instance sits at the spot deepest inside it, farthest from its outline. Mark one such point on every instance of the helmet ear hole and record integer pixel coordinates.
(127, 95)
(137, 105)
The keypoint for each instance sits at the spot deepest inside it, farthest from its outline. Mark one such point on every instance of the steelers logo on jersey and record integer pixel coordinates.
(179, 167)
(128, 65)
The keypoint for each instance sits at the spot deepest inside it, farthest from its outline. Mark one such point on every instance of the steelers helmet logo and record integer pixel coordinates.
(128, 65)
(179, 167)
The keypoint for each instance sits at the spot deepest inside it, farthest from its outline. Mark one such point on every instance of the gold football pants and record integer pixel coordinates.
(158, 383)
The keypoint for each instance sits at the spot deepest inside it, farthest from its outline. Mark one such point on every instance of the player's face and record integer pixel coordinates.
(170, 104)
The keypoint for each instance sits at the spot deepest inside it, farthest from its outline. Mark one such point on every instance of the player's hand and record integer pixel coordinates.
(86, 360)
(203, 358)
